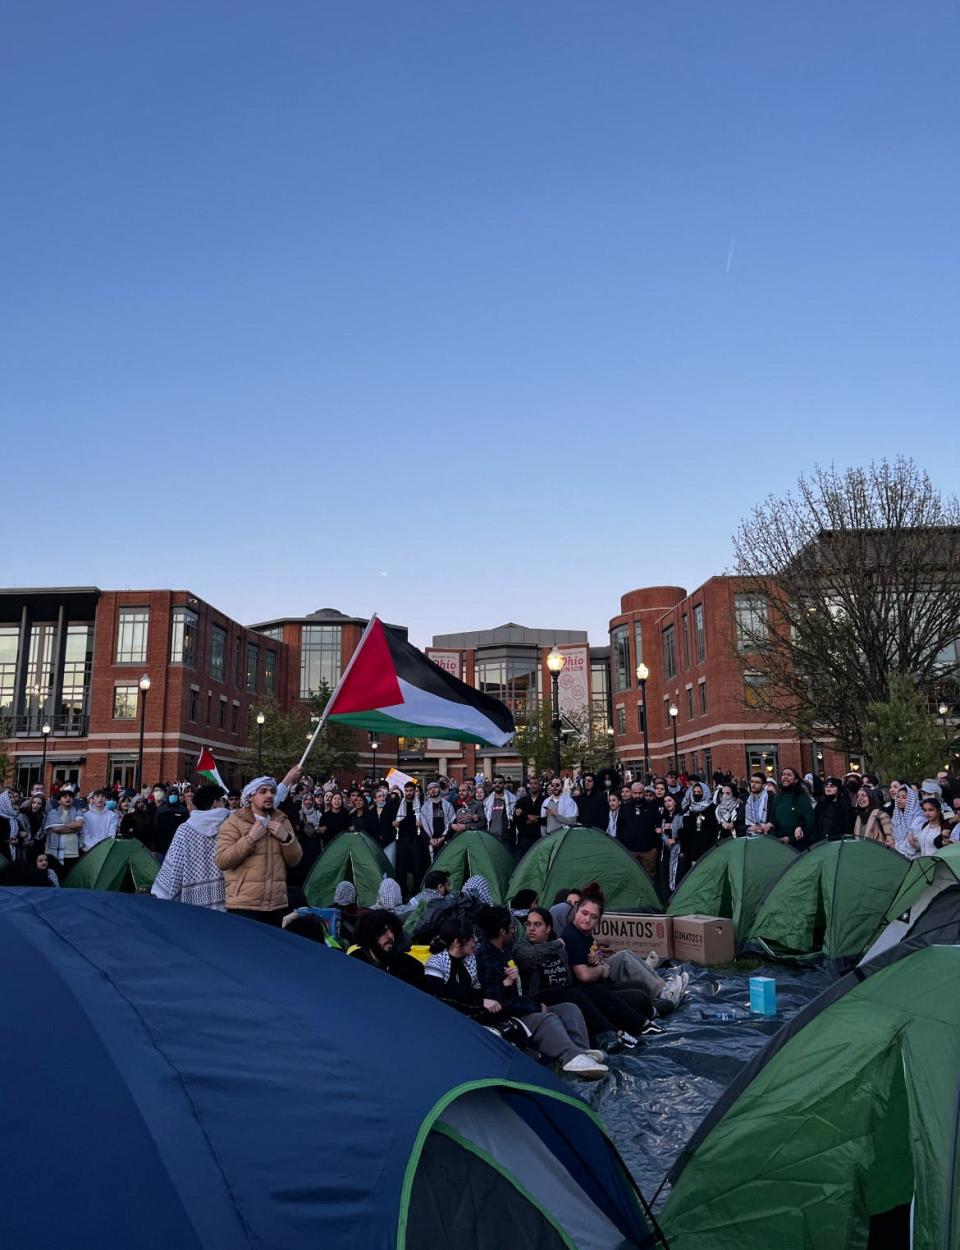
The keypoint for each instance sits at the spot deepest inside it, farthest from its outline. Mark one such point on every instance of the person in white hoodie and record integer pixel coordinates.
(189, 873)
(99, 822)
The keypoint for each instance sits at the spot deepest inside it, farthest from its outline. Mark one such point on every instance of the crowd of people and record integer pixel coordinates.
(532, 972)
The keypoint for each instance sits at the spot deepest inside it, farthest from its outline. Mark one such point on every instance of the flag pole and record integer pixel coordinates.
(332, 699)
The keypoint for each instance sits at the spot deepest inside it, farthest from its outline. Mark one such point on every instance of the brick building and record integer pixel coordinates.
(318, 648)
(72, 658)
(691, 645)
(509, 663)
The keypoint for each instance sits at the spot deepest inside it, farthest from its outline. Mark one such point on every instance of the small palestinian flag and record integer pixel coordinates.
(207, 769)
(389, 687)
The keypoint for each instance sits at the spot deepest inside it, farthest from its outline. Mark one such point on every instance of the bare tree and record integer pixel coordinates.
(854, 577)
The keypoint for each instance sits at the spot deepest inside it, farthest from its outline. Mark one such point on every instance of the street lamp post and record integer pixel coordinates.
(555, 662)
(374, 747)
(674, 713)
(260, 719)
(144, 686)
(642, 674)
(45, 731)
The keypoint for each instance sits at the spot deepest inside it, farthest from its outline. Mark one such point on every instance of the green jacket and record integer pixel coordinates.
(790, 810)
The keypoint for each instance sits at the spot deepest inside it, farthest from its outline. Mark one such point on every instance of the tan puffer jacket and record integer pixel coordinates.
(255, 872)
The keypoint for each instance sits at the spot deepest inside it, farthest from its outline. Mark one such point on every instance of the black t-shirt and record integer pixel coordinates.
(439, 822)
(578, 945)
(543, 966)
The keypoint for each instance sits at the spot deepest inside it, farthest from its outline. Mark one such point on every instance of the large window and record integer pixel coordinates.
(752, 621)
(184, 627)
(620, 655)
(319, 658)
(754, 689)
(275, 632)
(515, 681)
(621, 720)
(132, 635)
(269, 672)
(125, 702)
(703, 698)
(669, 652)
(253, 663)
(600, 690)
(685, 638)
(637, 643)
(194, 704)
(77, 667)
(689, 703)
(700, 639)
(9, 647)
(218, 652)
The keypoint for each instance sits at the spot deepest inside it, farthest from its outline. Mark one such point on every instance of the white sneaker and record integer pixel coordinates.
(599, 1055)
(653, 961)
(672, 991)
(584, 1066)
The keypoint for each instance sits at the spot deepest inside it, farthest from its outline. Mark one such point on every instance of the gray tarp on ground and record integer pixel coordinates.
(656, 1096)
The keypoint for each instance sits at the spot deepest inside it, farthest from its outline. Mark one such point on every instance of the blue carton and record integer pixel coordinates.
(763, 996)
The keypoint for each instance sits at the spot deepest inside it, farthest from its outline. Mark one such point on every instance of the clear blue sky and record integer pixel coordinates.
(461, 312)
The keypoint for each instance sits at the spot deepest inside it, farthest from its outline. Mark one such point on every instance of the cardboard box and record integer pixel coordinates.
(703, 939)
(622, 931)
(763, 996)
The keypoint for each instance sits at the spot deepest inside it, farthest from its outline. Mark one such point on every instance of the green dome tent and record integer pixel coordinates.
(830, 901)
(730, 880)
(927, 877)
(350, 857)
(475, 853)
(846, 1117)
(572, 857)
(124, 865)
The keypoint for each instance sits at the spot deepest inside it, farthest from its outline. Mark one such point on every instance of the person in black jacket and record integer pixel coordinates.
(379, 941)
(637, 830)
(834, 815)
(699, 830)
(334, 822)
(592, 803)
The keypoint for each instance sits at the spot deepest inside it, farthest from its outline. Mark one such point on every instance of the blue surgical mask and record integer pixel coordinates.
(171, 798)
(111, 803)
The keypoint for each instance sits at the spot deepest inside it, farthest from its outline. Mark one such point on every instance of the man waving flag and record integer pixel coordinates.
(389, 687)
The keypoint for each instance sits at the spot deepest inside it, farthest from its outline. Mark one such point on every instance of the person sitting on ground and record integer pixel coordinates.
(729, 813)
(254, 847)
(870, 820)
(477, 887)
(564, 901)
(345, 900)
(436, 884)
(833, 816)
(559, 1035)
(42, 864)
(189, 873)
(935, 832)
(379, 941)
(546, 978)
(390, 898)
(792, 812)
(624, 972)
(522, 901)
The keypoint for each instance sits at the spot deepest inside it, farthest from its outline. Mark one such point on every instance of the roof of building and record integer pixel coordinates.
(511, 634)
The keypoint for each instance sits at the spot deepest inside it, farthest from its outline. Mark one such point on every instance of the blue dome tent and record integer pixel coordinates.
(220, 1084)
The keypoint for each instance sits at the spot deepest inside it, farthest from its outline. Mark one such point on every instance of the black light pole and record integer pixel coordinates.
(642, 674)
(674, 713)
(260, 719)
(144, 686)
(374, 746)
(45, 731)
(555, 662)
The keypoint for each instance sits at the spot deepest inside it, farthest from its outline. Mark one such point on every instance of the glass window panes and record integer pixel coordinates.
(194, 704)
(77, 669)
(708, 764)
(637, 642)
(235, 718)
(218, 652)
(275, 632)
(222, 718)
(752, 621)
(184, 627)
(669, 652)
(699, 637)
(621, 720)
(125, 702)
(753, 689)
(132, 635)
(253, 663)
(270, 672)
(620, 656)
(319, 658)
(514, 680)
(9, 649)
(689, 703)
(685, 637)
(703, 698)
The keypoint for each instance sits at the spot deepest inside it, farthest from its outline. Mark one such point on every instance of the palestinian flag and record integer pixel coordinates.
(389, 687)
(207, 769)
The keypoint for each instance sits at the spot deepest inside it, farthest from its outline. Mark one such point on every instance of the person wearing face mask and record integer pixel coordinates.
(170, 817)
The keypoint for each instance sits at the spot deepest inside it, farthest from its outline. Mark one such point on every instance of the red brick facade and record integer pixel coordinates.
(703, 676)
